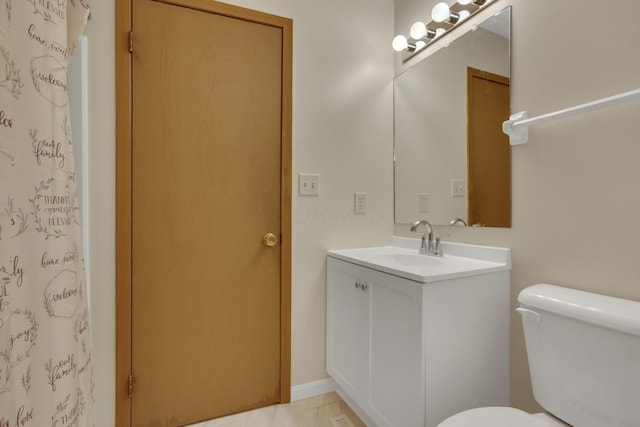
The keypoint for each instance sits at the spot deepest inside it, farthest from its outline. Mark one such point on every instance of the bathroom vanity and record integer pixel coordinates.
(413, 339)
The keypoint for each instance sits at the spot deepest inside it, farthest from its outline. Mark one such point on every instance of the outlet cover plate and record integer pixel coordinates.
(360, 203)
(423, 203)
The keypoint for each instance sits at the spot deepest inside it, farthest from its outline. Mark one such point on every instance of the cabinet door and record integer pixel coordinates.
(397, 374)
(347, 328)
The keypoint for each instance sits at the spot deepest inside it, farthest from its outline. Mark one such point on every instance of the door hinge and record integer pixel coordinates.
(131, 41)
(130, 385)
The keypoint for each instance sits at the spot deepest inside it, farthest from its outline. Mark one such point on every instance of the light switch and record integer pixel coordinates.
(308, 184)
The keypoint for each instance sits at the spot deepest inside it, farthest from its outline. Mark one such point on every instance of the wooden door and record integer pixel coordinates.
(489, 152)
(210, 173)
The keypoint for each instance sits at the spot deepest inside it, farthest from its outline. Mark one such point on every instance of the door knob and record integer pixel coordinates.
(270, 240)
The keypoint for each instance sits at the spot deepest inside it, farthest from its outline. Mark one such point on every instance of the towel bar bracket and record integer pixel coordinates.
(516, 136)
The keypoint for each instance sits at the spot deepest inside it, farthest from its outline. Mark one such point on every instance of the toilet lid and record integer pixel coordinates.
(492, 417)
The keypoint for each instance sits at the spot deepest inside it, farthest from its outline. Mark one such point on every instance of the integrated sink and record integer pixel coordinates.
(414, 260)
(402, 259)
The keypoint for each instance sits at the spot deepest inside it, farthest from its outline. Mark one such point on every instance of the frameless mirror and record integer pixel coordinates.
(451, 158)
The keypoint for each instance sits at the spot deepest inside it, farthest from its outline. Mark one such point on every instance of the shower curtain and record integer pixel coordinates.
(45, 343)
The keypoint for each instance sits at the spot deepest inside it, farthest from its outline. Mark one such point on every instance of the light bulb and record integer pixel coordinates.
(464, 14)
(418, 30)
(464, 2)
(399, 43)
(440, 12)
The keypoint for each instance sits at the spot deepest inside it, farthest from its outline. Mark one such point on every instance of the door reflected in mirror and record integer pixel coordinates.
(452, 159)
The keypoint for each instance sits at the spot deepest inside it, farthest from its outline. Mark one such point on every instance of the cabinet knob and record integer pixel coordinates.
(362, 286)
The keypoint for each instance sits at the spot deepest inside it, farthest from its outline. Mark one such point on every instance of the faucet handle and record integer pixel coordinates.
(438, 250)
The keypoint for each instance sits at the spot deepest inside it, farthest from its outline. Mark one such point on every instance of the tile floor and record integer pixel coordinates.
(327, 410)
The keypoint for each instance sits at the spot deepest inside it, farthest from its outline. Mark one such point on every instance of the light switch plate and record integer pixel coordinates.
(308, 184)
(457, 188)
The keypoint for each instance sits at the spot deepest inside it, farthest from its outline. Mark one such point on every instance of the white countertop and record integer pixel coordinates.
(402, 259)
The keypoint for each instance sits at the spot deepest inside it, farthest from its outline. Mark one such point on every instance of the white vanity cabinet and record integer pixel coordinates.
(408, 353)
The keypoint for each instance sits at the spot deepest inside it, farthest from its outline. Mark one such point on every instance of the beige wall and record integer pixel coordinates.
(342, 115)
(575, 205)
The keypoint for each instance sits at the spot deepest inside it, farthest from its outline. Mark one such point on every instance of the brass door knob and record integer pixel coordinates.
(270, 240)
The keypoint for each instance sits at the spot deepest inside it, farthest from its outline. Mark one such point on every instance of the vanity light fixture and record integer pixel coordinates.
(444, 19)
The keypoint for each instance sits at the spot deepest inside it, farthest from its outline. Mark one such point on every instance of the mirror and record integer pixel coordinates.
(451, 158)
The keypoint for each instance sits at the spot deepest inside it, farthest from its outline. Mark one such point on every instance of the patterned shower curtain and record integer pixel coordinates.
(45, 343)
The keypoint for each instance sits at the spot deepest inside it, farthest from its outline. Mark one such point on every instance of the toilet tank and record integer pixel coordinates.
(584, 355)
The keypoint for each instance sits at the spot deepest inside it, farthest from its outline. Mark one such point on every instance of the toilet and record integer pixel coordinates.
(584, 358)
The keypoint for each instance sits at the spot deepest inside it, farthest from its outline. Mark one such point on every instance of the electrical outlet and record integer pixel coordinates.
(308, 184)
(457, 188)
(360, 203)
(423, 203)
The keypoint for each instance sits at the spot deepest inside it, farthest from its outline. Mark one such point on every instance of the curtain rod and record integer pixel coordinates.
(517, 127)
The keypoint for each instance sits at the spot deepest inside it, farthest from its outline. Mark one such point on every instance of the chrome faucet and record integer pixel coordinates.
(427, 237)
(458, 221)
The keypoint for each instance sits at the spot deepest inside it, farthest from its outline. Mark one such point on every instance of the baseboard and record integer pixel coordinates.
(314, 388)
